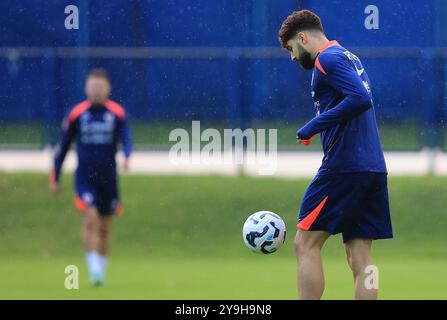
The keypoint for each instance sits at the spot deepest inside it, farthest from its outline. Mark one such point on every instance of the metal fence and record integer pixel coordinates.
(173, 62)
(224, 87)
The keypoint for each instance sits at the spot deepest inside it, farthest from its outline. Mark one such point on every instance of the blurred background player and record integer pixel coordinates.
(97, 124)
(349, 194)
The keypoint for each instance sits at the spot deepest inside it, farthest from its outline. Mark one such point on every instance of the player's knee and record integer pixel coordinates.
(93, 225)
(359, 262)
(89, 226)
(304, 246)
(104, 231)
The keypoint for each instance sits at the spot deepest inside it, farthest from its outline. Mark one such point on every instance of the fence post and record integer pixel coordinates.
(82, 40)
(50, 115)
(435, 121)
(234, 97)
(440, 11)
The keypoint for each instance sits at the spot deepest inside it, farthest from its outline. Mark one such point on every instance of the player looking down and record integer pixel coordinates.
(97, 124)
(349, 193)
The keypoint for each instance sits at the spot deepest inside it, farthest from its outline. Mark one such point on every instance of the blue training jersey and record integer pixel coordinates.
(97, 130)
(345, 118)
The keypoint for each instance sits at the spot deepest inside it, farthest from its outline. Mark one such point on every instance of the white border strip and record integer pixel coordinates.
(290, 164)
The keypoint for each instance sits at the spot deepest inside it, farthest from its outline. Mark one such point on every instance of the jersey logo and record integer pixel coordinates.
(356, 62)
(317, 107)
(108, 117)
(359, 71)
(367, 87)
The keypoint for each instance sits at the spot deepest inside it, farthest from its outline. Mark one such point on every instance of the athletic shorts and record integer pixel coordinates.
(354, 204)
(99, 191)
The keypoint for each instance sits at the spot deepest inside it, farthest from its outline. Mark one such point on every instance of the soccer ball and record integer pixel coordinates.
(264, 232)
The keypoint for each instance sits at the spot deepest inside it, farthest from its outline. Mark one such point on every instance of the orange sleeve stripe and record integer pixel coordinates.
(307, 222)
(78, 110)
(116, 109)
(318, 64)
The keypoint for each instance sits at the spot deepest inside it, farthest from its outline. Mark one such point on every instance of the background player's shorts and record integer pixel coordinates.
(99, 192)
(354, 204)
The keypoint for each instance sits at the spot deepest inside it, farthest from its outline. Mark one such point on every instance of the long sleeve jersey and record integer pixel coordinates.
(97, 129)
(345, 116)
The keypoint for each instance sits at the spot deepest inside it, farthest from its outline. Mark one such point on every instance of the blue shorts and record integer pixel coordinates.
(354, 204)
(99, 191)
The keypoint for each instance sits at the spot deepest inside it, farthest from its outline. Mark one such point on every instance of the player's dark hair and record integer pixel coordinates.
(99, 73)
(296, 22)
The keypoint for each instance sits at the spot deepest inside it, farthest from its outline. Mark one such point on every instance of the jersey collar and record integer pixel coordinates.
(329, 44)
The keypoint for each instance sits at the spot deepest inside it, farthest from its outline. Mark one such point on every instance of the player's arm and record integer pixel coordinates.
(126, 140)
(68, 133)
(356, 99)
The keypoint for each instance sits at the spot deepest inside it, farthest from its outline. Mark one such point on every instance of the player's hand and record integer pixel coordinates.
(299, 137)
(305, 142)
(126, 164)
(55, 187)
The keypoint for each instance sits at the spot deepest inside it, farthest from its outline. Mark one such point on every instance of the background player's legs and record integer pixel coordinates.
(358, 252)
(105, 223)
(90, 233)
(308, 246)
(90, 229)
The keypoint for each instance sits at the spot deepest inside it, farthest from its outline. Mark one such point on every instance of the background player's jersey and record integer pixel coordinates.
(345, 117)
(97, 130)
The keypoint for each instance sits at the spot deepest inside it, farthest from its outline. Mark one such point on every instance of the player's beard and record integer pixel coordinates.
(305, 58)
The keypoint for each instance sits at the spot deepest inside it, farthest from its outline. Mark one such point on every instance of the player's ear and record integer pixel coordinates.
(302, 37)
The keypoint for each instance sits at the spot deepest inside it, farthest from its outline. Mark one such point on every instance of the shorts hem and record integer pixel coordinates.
(379, 237)
(351, 237)
(83, 206)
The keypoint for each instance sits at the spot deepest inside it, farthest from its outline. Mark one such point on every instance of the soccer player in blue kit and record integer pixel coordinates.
(349, 193)
(97, 124)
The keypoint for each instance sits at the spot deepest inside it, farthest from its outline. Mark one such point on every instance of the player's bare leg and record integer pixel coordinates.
(90, 233)
(90, 230)
(308, 245)
(358, 252)
(105, 223)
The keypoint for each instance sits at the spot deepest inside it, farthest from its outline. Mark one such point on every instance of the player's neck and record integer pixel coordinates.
(320, 42)
(97, 104)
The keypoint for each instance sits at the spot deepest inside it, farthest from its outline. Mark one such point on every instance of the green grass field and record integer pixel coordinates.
(180, 238)
(404, 136)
